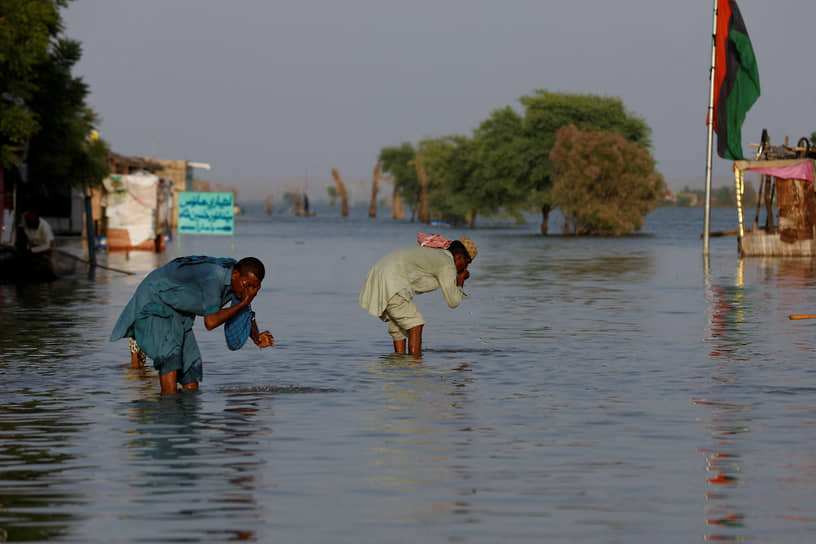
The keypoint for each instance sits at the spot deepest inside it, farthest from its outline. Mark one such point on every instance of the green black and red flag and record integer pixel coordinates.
(736, 79)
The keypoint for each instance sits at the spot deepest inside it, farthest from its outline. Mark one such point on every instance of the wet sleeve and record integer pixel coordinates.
(447, 282)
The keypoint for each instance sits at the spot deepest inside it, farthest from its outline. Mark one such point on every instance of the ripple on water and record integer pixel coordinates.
(276, 389)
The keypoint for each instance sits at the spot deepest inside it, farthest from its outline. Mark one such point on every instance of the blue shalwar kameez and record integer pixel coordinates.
(161, 313)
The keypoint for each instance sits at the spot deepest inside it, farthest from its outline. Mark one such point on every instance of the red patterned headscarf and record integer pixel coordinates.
(433, 240)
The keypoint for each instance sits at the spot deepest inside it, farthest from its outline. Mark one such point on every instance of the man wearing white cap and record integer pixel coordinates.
(392, 282)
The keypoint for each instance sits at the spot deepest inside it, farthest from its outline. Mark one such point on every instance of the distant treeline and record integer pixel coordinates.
(583, 154)
(721, 197)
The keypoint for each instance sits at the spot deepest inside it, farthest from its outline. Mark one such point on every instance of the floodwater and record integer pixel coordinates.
(588, 390)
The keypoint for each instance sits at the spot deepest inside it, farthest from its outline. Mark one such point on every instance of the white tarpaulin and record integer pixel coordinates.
(131, 204)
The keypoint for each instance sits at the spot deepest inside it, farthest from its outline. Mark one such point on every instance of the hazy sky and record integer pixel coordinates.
(287, 90)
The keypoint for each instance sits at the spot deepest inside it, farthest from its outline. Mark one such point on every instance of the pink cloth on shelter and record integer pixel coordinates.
(803, 170)
(433, 240)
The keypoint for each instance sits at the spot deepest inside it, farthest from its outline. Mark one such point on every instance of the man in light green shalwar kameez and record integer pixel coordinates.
(392, 282)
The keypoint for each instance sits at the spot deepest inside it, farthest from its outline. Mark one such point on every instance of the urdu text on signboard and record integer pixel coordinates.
(206, 213)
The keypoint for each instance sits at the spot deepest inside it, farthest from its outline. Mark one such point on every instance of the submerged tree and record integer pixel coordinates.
(479, 175)
(603, 182)
(502, 153)
(341, 192)
(504, 168)
(449, 165)
(546, 112)
(372, 207)
(399, 163)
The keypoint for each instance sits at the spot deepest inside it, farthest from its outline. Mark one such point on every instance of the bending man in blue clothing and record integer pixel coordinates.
(158, 320)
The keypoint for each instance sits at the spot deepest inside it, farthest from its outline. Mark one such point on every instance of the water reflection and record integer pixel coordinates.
(746, 398)
(726, 422)
(43, 320)
(553, 406)
(188, 463)
(632, 267)
(39, 498)
(425, 427)
(593, 263)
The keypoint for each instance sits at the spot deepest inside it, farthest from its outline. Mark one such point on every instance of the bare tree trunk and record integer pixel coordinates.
(341, 190)
(473, 218)
(372, 208)
(422, 208)
(545, 216)
(397, 209)
(298, 203)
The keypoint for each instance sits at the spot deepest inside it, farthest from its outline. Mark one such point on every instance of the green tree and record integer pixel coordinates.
(43, 106)
(451, 168)
(505, 167)
(684, 200)
(723, 197)
(546, 112)
(603, 182)
(399, 162)
(483, 175)
(26, 30)
(63, 153)
(502, 152)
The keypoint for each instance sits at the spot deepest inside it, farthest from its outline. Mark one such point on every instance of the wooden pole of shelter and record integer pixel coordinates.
(89, 227)
(341, 191)
(422, 208)
(372, 208)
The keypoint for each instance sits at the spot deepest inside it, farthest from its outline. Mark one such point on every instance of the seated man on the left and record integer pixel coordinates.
(39, 236)
(36, 246)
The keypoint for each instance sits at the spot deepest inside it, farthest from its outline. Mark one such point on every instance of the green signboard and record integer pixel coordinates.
(206, 213)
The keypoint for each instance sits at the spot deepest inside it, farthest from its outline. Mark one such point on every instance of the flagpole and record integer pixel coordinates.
(711, 121)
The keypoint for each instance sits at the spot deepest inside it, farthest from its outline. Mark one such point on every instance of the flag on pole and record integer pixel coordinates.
(736, 79)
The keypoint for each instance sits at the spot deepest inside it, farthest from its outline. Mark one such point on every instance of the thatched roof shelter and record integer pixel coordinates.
(120, 164)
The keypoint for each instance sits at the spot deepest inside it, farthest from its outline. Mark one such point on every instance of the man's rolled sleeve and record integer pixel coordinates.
(453, 293)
